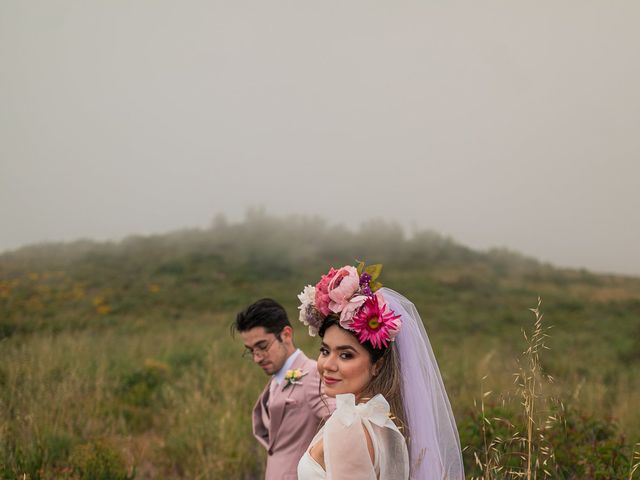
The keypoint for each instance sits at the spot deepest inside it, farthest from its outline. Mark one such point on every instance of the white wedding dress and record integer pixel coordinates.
(346, 455)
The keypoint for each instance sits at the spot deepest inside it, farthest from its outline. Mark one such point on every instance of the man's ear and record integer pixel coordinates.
(287, 333)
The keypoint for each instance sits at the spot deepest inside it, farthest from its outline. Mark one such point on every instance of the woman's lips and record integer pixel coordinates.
(329, 380)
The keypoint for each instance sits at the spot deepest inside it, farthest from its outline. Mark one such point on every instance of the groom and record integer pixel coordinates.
(290, 408)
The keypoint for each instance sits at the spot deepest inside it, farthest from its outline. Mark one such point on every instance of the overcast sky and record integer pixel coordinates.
(504, 123)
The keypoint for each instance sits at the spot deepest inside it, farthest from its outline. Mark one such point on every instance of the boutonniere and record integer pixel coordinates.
(293, 376)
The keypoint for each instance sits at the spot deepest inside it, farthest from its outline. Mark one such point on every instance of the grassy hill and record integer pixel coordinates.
(117, 355)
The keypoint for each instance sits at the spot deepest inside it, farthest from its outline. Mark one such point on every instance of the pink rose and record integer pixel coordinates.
(350, 309)
(322, 293)
(344, 284)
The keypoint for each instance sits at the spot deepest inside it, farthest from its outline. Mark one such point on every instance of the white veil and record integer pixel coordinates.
(434, 445)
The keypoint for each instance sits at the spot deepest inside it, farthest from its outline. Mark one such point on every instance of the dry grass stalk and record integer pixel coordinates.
(530, 447)
(530, 380)
(635, 460)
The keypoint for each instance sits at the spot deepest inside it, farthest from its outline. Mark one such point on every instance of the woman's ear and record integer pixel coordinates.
(375, 369)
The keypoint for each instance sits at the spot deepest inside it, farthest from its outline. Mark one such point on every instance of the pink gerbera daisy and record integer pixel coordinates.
(375, 322)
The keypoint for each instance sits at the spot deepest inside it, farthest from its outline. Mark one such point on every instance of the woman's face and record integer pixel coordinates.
(344, 364)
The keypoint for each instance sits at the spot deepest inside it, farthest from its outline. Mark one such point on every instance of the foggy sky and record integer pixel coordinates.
(498, 123)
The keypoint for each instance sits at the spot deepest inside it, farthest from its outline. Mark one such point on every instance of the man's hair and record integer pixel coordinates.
(265, 313)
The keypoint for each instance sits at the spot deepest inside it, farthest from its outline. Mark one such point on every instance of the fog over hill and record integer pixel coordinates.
(282, 242)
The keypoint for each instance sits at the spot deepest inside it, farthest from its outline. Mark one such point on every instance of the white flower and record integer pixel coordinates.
(307, 297)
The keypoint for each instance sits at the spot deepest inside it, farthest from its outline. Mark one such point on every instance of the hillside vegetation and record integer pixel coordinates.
(118, 362)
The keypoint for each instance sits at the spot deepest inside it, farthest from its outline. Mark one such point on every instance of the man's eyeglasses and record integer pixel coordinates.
(260, 350)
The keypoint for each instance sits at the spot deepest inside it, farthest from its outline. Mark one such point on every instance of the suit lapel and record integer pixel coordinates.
(279, 399)
(261, 421)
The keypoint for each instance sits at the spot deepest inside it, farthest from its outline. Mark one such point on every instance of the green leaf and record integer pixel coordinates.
(375, 286)
(360, 267)
(374, 271)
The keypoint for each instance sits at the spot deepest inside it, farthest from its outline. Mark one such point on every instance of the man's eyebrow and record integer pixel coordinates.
(255, 344)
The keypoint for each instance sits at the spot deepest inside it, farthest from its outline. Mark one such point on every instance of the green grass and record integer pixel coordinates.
(117, 359)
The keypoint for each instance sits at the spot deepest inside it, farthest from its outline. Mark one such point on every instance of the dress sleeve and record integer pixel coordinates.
(346, 454)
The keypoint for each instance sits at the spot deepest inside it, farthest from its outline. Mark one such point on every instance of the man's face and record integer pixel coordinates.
(268, 352)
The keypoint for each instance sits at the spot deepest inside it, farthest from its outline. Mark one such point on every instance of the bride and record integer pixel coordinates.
(392, 419)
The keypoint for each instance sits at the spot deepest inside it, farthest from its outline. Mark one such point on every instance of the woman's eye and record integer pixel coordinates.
(345, 356)
(323, 351)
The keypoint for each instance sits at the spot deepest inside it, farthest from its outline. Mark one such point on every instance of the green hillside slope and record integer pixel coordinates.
(125, 346)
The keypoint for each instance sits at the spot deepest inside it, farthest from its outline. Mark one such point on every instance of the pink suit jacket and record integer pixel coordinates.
(287, 426)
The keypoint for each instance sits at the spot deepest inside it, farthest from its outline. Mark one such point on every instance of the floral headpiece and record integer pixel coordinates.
(351, 292)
